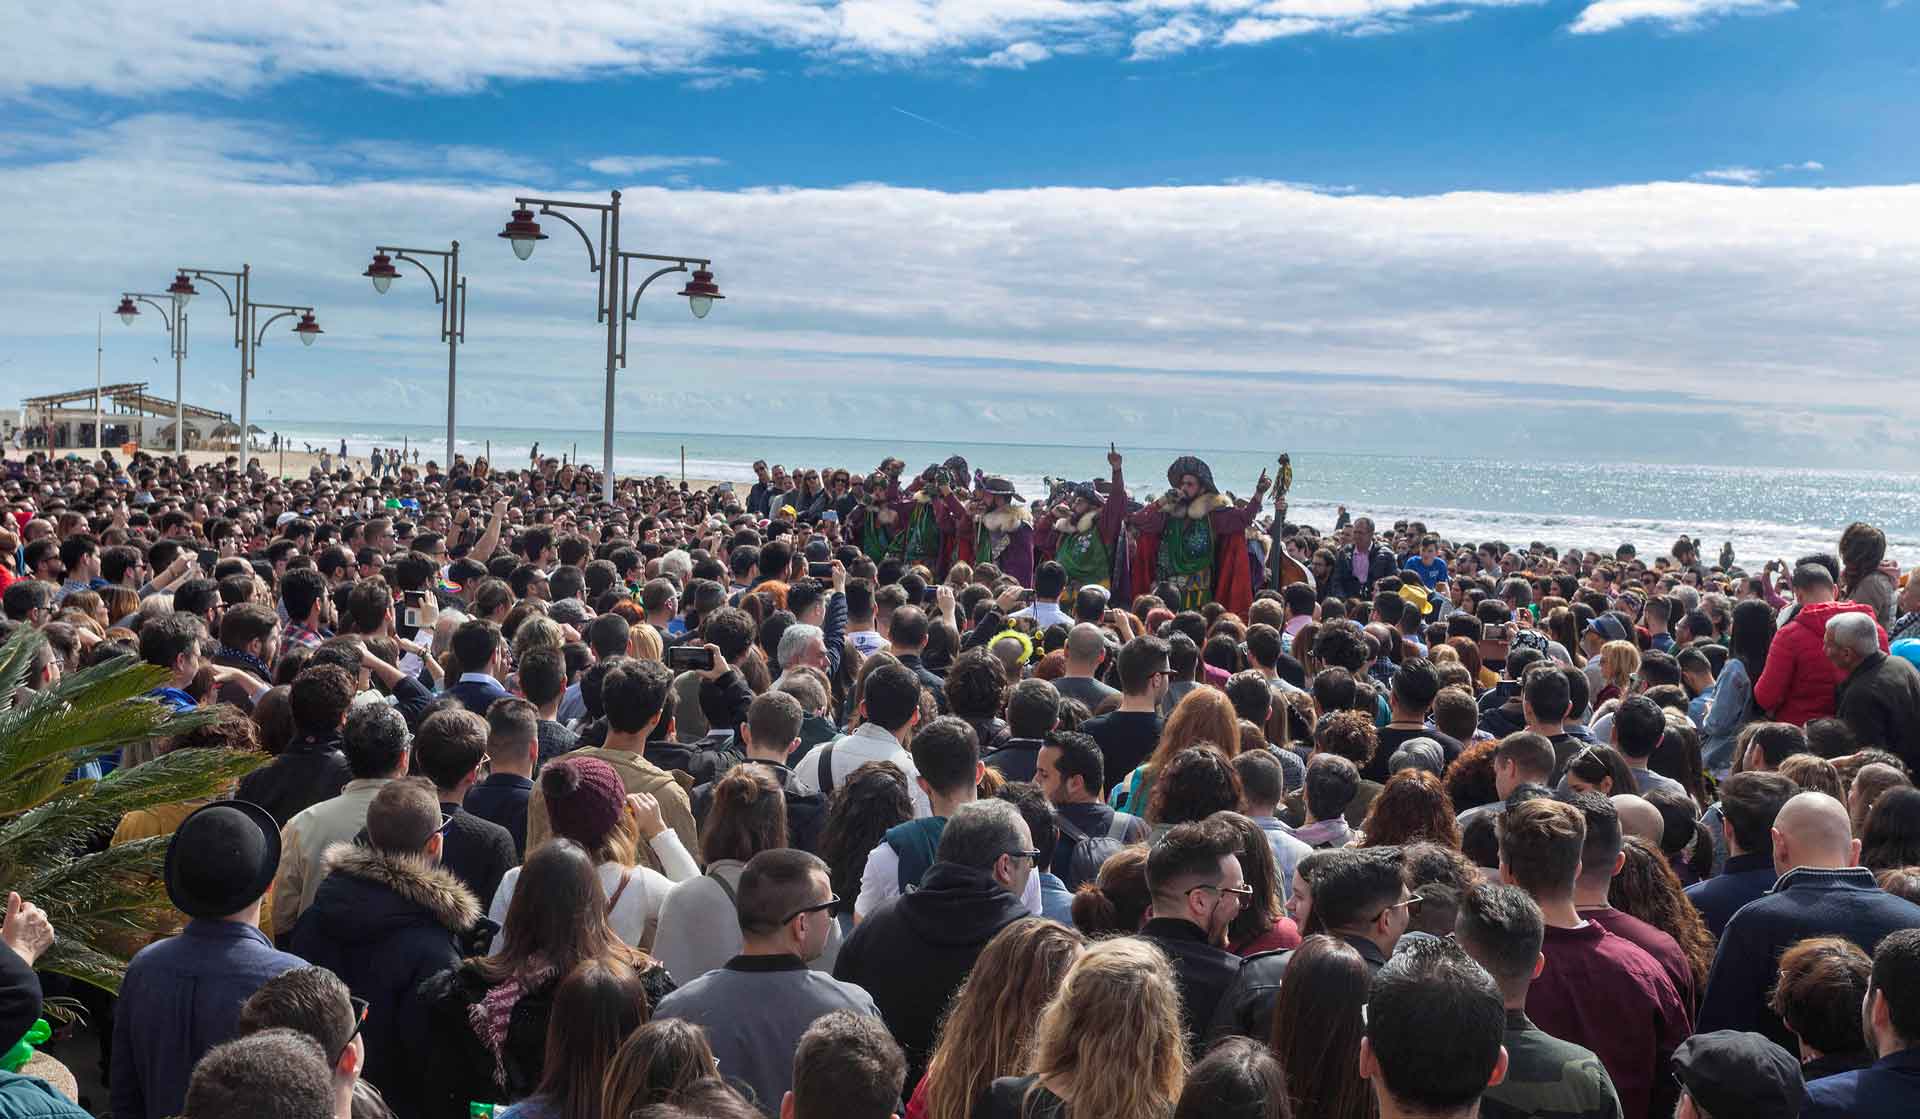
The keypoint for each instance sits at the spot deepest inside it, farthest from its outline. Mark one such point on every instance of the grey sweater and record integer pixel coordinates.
(755, 1009)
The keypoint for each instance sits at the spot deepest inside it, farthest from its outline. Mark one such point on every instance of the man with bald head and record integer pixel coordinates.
(1086, 648)
(1822, 891)
(1639, 817)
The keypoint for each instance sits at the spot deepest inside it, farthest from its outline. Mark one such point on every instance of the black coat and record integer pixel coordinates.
(1201, 971)
(1381, 562)
(307, 772)
(478, 852)
(384, 924)
(913, 953)
(455, 1068)
(1016, 758)
(1880, 702)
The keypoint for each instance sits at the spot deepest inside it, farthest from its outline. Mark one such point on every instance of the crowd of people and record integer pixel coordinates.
(888, 794)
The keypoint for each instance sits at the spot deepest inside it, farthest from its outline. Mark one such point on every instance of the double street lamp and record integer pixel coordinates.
(176, 326)
(449, 291)
(249, 331)
(613, 266)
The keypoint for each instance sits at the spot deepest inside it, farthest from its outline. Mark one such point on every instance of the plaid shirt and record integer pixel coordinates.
(304, 637)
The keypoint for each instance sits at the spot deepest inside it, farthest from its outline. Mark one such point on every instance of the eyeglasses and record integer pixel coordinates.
(1241, 894)
(1412, 903)
(1030, 856)
(360, 1008)
(832, 900)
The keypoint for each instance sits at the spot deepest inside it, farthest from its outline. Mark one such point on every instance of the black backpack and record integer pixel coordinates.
(1091, 852)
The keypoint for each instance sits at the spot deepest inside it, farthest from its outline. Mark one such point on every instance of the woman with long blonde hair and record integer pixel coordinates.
(988, 1032)
(1109, 1045)
(1203, 716)
(1619, 660)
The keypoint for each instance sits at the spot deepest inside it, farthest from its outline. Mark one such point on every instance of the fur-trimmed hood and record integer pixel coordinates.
(1205, 504)
(409, 878)
(1007, 518)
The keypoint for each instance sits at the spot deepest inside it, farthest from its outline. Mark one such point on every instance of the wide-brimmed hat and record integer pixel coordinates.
(1416, 596)
(1000, 487)
(1188, 464)
(222, 858)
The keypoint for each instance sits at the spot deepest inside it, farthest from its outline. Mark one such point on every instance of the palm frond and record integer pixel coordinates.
(60, 823)
(88, 714)
(103, 904)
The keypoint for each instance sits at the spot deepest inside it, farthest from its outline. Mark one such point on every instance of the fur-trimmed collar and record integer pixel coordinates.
(1006, 519)
(1066, 525)
(1196, 509)
(433, 888)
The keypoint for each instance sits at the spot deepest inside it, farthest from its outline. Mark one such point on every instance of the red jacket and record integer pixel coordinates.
(1799, 681)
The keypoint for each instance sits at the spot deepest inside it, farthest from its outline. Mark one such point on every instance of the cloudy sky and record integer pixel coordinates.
(1677, 230)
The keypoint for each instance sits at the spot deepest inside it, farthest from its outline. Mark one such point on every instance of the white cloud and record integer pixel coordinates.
(1680, 15)
(1244, 303)
(1172, 37)
(159, 46)
(1013, 56)
(648, 164)
(1754, 176)
(1745, 176)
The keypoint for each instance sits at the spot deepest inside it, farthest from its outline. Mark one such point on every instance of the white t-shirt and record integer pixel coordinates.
(639, 904)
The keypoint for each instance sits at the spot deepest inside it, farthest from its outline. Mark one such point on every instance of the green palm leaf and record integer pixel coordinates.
(99, 901)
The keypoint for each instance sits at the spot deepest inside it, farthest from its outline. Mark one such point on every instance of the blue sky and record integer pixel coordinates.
(1684, 229)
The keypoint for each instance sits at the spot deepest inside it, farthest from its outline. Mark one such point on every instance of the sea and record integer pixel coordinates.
(1765, 512)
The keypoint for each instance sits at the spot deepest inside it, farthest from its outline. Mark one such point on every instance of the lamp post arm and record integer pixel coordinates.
(402, 254)
(153, 301)
(283, 312)
(632, 307)
(236, 299)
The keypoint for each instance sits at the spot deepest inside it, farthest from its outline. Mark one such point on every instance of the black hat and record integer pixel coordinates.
(1728, 1072)
(222, 858)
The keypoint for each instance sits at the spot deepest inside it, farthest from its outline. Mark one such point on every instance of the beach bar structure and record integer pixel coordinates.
(128, 412)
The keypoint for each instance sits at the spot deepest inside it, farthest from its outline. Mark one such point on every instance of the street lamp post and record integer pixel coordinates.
(449, 291)
(613, 266)
(176, 325)
(248, 338)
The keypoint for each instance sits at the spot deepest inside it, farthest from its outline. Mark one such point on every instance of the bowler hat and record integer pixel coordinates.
(222, 858)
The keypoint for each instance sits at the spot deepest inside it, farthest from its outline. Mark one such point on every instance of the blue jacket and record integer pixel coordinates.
(1805, 902)
(1890, 1089)
(476, 695)
(1744, 878)
(182, 997)
(29, 1097)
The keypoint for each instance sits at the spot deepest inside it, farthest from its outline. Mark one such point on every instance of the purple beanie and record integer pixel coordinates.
(585, 799)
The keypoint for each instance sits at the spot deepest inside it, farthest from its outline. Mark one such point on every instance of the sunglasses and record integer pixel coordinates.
(1242, 894)
(832, 900)
(360, 1008)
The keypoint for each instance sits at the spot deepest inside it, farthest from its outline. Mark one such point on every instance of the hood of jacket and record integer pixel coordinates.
(958, 905)
(1814, 616)
(369, 895)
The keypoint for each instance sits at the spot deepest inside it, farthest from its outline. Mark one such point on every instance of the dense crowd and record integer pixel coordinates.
(856, 796)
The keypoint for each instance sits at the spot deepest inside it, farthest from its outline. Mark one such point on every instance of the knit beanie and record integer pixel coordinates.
(584, 799)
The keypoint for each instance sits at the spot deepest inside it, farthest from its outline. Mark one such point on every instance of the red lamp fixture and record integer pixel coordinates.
(127, 311)
(307, 329)
(701, 291)
(382, 272)
(524, 232)
(181, 289)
